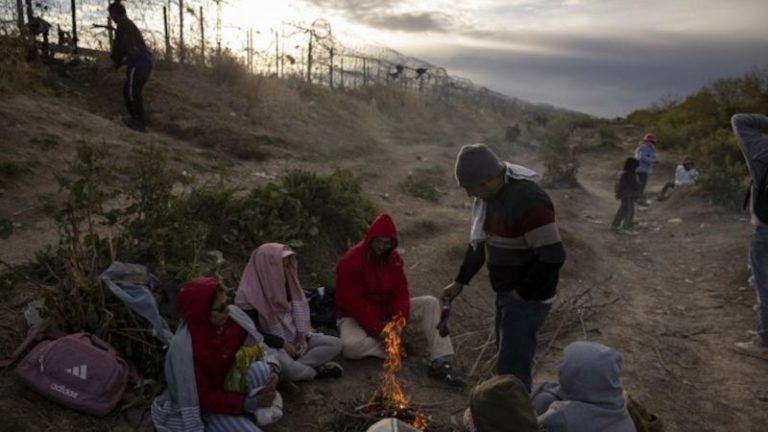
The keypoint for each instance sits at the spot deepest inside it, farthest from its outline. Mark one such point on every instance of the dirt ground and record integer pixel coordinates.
(672, 298)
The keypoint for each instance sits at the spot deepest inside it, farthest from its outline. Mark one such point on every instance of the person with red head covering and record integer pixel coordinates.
(270, 293)
(217, 333)
(371, 290)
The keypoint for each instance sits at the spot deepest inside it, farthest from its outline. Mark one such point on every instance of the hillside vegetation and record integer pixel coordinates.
(699, 125)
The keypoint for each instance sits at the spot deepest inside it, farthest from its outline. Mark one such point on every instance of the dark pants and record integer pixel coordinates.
(517, 324)
(625, 213)
(643, 178)
(136, 77)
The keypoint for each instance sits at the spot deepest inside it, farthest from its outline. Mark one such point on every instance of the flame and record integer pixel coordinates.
(392, 395)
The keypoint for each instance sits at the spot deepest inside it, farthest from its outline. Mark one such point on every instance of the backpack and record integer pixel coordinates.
(322, 307)
(79, 371)
(759, 199)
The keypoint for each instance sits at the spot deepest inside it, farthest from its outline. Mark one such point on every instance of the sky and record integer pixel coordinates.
(603, 57)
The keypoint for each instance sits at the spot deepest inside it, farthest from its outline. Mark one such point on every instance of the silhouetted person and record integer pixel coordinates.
(130, 50)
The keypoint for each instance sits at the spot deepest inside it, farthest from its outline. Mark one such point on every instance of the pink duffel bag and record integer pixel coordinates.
(79, 371)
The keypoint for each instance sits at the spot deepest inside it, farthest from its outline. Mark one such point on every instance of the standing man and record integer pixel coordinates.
(371, 290)
(750, 130)
(130, 50)
(514, 231)
(646, 154)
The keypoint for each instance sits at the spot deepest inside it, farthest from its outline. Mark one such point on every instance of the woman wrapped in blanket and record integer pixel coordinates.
(270, 293)
(227, 394)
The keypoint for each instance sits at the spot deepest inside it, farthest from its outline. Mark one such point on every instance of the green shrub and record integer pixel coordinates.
(560, 164)
(422, 183)
(209, 230)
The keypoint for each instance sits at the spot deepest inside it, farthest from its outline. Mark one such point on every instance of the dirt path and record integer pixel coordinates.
(675, 298)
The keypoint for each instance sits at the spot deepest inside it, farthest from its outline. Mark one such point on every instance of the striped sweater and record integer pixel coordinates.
(523, 249)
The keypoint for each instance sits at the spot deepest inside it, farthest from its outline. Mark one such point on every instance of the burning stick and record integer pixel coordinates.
(391, 401)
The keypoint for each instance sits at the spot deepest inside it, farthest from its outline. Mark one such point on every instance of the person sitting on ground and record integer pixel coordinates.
(628, 190)
(685, 175)
(270, 293)
(589, 396)
(500, 404)
(130, 50)
(201, 355)
(371, 290)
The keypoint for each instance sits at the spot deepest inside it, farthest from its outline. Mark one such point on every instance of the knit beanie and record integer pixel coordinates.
(476, 164)
(502, 404)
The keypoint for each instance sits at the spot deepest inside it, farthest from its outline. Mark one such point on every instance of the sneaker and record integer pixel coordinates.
(754, 348)
(329, 370)
(444, 372)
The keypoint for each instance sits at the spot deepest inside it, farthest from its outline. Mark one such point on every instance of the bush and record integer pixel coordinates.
(421, 183)
(560, 164)
(210, 230)
(722, 169)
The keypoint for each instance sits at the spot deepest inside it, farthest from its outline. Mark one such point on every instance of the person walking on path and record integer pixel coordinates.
(646, 155)
(130, 50)
(628, 191)
(514, 231)
(750, 130)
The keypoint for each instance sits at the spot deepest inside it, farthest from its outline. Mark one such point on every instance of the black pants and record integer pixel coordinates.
(517, 325)
(136, 77)
(643, 178)
(625, 213)
(663, 194)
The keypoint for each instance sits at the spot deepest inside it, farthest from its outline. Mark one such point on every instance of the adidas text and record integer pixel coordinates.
(65, 391)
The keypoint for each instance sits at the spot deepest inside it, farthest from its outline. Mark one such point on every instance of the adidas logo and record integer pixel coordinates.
(78, 371)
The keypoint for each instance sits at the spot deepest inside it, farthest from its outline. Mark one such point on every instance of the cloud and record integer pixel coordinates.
(394, 15)
(610, 76)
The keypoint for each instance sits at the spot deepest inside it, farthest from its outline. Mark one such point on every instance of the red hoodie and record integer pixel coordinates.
(213, 348)
(367, 289)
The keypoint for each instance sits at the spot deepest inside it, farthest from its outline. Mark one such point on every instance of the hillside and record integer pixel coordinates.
(672, 299)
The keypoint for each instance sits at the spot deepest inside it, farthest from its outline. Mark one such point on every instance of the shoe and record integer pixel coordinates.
(754, 348)
(134, 124)
(329, 370)
(444, 372)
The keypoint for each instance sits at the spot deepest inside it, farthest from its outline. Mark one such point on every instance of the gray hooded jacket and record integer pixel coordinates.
(589, 396)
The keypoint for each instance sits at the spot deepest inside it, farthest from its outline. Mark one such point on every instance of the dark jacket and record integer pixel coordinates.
(628, 186)
(368, 290)
(523, 248)
(129, 47)
(213, 348)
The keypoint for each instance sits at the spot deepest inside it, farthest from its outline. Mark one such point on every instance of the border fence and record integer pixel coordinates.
(190, 31)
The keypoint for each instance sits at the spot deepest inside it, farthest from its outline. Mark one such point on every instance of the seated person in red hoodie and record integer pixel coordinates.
(216, 338)
(371, 290)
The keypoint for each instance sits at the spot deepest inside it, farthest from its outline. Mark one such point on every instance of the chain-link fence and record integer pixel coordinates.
(190, 31)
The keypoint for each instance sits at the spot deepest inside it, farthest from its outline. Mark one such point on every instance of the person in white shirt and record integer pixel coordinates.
(685, 175)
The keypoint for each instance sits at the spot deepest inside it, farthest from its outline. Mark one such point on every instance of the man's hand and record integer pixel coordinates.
(452, 291)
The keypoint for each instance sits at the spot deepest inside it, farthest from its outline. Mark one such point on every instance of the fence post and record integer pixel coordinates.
(309, 59)
(330, 68)
(365, 72)
(202, 36)
(167, 36)
(341, 73)
(74, 27)
(20, 16)
(277, 54)
(181, 32)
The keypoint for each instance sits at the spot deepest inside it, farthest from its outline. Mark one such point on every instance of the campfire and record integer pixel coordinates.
(390, 399)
